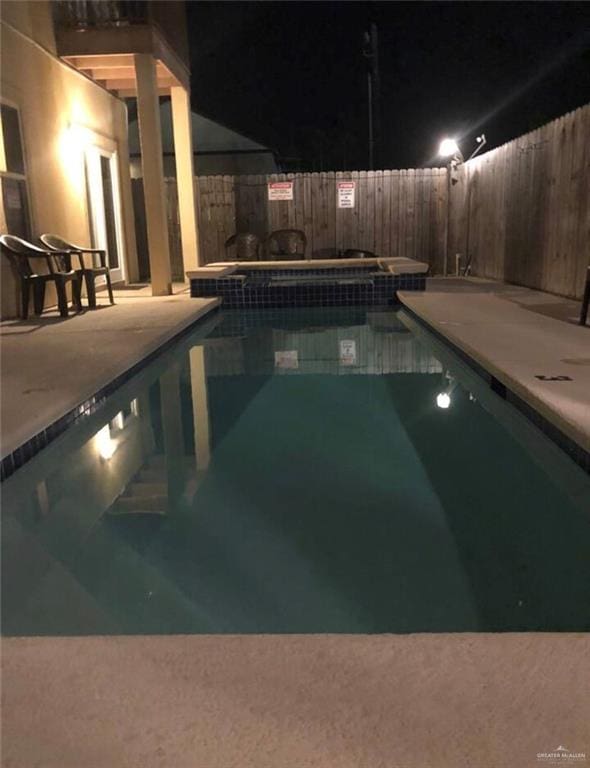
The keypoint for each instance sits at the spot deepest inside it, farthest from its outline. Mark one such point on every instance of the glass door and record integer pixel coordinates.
(104, 205)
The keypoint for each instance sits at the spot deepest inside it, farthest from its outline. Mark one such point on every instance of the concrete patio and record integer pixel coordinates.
(295, 701)
(50, 364)
(517, 334)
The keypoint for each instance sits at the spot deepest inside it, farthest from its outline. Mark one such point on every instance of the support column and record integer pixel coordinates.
(185, 176)
(148, 112)
(132, 263)
(200, 408)
(173, 435)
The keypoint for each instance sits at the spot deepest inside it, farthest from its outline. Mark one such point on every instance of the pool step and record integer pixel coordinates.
(142, 488)
(151, 475)
(157, 462)
(155, 505)
(148, 492)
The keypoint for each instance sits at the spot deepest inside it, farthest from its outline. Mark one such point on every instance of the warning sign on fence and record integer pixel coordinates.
(286, 358)
(346, 194)
(280, 190)
(347, 352)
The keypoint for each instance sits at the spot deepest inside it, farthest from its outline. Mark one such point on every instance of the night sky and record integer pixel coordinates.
(292, 75)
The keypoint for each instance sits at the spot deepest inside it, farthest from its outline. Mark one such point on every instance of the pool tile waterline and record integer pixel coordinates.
(353, 286)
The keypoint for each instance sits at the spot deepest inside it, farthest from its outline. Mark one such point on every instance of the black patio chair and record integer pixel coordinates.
(358, 253)
(247, 246)
(88, 272)
(58, 270)
(286, 244)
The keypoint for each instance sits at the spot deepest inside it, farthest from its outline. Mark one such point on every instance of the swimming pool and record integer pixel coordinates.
(310, 470)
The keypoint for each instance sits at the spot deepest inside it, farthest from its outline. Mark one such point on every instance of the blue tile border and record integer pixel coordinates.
(42, 439)
(575, 452)
(278, 288)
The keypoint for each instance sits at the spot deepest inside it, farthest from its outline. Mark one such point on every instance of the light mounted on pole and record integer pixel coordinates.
(449, 148)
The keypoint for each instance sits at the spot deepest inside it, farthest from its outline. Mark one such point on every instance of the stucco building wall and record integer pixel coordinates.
(61, 111)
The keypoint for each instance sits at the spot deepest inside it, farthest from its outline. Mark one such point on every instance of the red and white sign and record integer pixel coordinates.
(280, 190)
(347, 352)
(346, 193)
(287, 358)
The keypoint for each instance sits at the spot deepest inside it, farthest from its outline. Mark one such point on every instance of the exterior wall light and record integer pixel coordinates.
(449, 148)
(443, 399)
(105, 444)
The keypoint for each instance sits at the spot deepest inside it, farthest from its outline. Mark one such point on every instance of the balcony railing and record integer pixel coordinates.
(97, 14)
(135, 19)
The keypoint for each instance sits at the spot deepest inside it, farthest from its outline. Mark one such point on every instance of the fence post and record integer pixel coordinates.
(586, 299)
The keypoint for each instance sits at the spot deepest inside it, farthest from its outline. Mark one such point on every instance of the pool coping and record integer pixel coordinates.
(394, 264)
(88, 406)
(551, 430)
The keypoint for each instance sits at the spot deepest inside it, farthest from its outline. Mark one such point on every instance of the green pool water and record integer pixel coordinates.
(291, 471)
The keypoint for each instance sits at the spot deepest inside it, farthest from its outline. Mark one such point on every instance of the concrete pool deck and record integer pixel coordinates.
(295, 701)
(517, 335)
(50, 365)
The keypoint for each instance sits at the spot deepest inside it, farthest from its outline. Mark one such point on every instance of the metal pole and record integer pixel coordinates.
(448, 232)
(586, 299)
(376, 96)
(371, 139)
(371, 53)
(467, 224)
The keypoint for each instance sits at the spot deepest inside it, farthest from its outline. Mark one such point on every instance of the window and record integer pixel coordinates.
(124, 417)
(14, 205)
(104, 205)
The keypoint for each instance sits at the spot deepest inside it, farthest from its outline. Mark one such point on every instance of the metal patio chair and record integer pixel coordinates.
(87, 272)
(246, 244)
(286, 244)
(57, 269)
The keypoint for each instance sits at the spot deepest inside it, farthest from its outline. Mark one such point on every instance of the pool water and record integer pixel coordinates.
(294, 471)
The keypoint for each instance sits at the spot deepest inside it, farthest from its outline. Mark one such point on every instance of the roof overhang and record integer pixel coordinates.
(109, 58)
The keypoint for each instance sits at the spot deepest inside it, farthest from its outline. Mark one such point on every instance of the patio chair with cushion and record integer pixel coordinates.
(246, 244)
(286, 244)
(87, 270)
(35, 267)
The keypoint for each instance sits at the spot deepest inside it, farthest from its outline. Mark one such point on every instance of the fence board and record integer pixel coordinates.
(395, 216)
(331, 210)
(308, 213)
(378, 211)
(582, 173)
(386, 214)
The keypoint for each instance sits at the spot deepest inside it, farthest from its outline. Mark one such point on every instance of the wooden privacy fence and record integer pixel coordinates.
(521, 212)
(395, 213)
